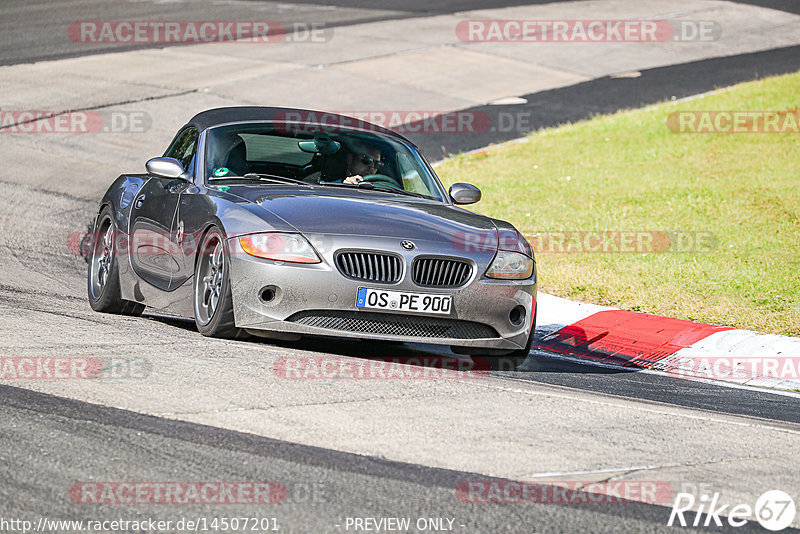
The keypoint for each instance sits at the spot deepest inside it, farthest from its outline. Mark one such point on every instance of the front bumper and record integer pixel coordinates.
(317, 299)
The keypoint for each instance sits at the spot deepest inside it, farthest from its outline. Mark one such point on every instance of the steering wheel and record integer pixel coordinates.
(383, 179)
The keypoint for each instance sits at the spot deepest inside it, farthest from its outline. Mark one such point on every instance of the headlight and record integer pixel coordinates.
(291, 248)
(510, 266)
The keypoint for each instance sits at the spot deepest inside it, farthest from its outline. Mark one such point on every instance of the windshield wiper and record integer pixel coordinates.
(379, 187)
(274, 178)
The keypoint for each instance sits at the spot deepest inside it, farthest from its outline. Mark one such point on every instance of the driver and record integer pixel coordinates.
(362, 160)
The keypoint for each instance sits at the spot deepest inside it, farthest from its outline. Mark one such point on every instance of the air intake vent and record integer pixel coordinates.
(440, 272)
(370, 266)
(394, 325)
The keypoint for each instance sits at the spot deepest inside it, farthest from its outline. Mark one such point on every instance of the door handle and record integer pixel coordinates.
(139, 201)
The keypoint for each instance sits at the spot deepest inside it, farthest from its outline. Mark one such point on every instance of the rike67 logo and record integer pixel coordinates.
(774, 510)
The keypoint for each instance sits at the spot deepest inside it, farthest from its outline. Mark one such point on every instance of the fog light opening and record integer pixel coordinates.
(268, 294)
(517, 315)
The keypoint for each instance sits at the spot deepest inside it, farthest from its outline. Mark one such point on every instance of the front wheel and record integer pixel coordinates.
(499, 361)
(213, 302)
(513, 360)
(103, 286)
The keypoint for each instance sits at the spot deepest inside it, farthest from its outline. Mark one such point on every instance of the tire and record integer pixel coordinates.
(103, 286)
(510, 361)
(213, 301)
(513, 360)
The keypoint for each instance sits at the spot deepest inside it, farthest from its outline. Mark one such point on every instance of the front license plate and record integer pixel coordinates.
(379, 299)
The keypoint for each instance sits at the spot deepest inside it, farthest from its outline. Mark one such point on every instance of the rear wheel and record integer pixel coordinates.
(213, 302)
(103, 278)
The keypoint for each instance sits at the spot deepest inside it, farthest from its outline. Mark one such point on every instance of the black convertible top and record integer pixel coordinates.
(217, 116)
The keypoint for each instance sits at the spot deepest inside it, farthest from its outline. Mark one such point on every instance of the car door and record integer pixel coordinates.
(154, 236)
(195, 211)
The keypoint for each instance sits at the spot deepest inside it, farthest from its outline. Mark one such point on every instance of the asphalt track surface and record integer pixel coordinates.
(48, 442)
(609, 94)
(34, 30)
(76, 441)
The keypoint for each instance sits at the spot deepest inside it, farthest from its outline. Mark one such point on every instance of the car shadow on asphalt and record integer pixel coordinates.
(419, 354)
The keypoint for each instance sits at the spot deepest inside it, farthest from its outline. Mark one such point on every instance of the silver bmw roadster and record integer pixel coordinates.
(282, 223)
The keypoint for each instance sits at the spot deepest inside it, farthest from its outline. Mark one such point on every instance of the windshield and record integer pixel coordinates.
(316, 155)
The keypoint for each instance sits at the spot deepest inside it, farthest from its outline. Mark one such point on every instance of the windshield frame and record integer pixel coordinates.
(202, 178)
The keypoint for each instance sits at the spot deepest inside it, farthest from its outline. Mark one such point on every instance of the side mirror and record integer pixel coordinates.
(462, 193)
(167, 168)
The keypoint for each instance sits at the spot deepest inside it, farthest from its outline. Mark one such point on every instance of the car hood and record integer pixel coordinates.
(367, 213)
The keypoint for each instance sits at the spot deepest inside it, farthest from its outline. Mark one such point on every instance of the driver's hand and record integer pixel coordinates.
(354, 179)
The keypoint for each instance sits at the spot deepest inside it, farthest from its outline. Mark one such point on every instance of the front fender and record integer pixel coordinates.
(237, 216)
